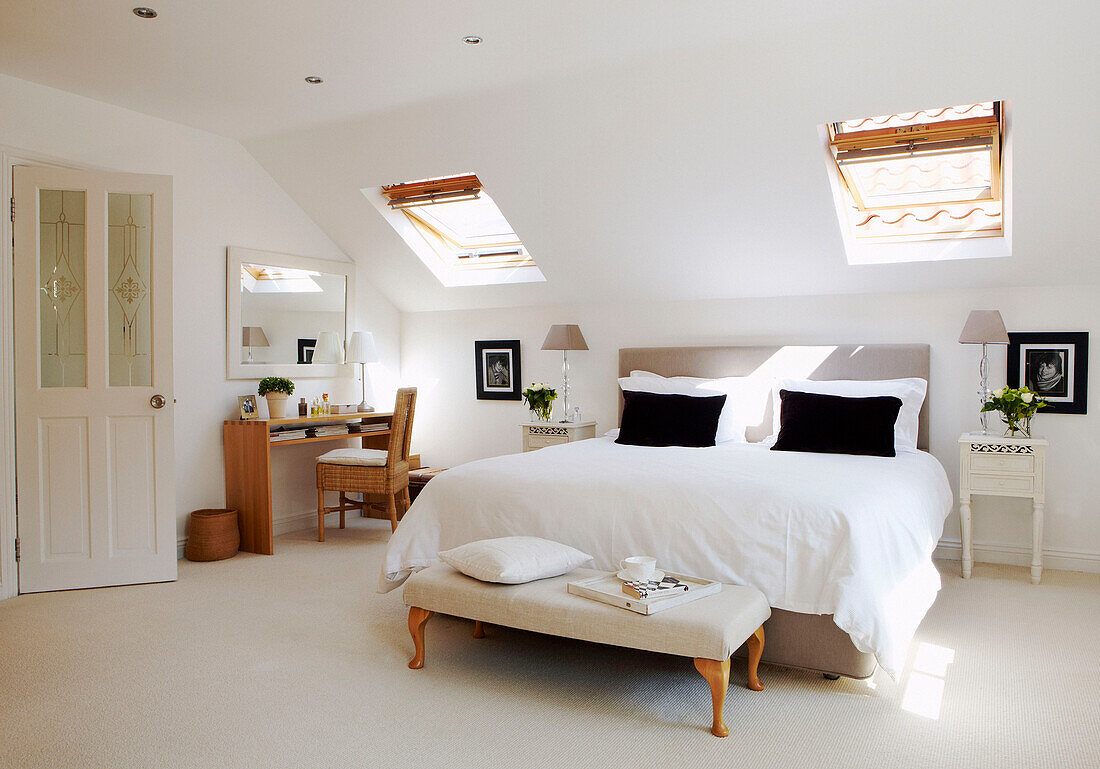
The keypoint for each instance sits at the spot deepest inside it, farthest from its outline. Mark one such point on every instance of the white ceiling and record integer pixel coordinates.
(642, 150)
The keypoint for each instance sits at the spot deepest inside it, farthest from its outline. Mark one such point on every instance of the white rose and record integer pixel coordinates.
(1027, 397)
(999, 393)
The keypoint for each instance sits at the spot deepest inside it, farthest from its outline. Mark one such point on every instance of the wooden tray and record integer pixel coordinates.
(607, 588)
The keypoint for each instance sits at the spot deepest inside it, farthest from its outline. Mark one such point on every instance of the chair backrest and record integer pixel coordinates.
(401, 429)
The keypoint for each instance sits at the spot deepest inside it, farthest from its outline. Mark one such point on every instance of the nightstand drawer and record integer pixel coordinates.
(993, 463)
(1002, 484)
(542, 441)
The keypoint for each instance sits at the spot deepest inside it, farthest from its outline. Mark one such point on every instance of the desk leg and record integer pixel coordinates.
(967, 550)
(248, 483)
(1037, 543)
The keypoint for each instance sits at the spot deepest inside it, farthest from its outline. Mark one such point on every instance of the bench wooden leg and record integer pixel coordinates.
(756, 648)
(417, 619)
(479, 629)
(717, 673)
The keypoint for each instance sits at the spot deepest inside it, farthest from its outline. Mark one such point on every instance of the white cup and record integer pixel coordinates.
(639, 567)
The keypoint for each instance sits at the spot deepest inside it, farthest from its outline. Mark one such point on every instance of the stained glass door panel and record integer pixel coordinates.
(62, 317)
(129, 300)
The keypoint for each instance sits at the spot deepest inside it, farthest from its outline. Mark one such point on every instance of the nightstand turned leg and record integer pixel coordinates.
(1037, 543)
(967, 551)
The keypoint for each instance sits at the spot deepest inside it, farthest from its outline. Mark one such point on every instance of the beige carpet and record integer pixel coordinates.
(295, 661)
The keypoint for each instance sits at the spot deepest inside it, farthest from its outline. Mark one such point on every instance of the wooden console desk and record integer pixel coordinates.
(248, 450)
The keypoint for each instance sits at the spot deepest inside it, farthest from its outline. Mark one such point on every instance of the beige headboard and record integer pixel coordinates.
(847, 361)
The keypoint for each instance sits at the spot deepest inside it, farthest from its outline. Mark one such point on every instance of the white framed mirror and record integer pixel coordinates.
(286, 315)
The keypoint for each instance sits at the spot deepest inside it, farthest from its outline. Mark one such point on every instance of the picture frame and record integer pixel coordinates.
(497, 367)
(1054, 364)
(247, 406)
(306, 348)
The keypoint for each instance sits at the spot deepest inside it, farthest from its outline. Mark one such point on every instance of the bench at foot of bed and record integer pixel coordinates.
(707, 630)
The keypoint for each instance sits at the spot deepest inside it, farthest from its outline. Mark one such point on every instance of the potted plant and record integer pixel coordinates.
(1017, 405)
(540, 399)
(276, 389)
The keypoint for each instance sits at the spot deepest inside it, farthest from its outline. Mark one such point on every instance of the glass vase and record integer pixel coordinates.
(1016, 427)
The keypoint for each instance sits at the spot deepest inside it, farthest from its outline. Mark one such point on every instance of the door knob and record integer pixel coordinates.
(157, 401)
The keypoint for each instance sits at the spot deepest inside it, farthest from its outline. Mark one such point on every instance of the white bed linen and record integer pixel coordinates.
(816, 533)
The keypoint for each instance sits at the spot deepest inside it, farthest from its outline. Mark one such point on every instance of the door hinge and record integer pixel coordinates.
(13, 209)
(17, 549)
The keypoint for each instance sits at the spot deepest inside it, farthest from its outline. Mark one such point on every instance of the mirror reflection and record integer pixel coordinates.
(291, 315)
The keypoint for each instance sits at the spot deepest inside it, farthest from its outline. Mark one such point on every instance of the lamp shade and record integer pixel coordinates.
(253, 336)
(564, 337)
(361, 348)
(984, 327)
(328, 348)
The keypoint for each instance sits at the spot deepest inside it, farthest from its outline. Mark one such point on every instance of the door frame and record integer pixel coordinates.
(9, 158)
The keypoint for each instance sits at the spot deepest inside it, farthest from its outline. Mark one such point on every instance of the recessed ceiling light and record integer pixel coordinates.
(145, 13)
(314, 80)
(472, 40)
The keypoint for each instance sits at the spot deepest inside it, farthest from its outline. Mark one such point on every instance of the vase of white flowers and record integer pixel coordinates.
(540, 399)
(1017, 406)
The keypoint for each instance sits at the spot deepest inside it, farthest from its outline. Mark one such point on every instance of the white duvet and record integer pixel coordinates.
(816, 533)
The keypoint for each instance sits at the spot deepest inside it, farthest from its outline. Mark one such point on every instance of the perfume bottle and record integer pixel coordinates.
(303, 408)
(576, 415)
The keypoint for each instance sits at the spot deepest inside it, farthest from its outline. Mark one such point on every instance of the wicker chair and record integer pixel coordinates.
(370, 471)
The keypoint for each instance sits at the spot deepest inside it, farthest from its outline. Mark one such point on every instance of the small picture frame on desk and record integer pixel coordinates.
(247, 406)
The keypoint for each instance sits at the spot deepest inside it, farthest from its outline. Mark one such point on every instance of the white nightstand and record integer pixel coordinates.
(538, 435)
(1003, 467)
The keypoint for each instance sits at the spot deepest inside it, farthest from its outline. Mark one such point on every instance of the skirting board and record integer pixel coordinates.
(282, 526)
(1016, 555)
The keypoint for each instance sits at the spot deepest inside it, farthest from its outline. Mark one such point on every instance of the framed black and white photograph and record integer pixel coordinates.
(498, 371)
(247, 405)
(306, 348)
(1055, 365)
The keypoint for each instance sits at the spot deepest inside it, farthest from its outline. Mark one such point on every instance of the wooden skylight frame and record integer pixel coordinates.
(952, 183)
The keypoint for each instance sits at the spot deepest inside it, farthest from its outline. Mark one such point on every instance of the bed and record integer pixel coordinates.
(841, 545)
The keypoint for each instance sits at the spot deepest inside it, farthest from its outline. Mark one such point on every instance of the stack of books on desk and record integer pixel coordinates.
(287, 435)
(358, 427)
(323, 430)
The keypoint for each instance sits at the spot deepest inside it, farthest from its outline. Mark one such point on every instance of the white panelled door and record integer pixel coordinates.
(93, 379)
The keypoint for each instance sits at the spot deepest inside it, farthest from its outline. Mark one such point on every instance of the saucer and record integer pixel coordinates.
(658, 575)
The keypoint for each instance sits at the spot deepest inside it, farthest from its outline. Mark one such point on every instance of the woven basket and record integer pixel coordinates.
(212, 536)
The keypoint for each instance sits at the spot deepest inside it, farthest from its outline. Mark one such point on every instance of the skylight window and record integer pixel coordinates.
(455, 227)
(921, 176)
(262, 279)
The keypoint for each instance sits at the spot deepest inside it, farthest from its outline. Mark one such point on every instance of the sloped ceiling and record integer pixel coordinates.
(642, 150)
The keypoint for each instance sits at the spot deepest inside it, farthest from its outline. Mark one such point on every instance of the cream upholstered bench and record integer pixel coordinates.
(708, 630)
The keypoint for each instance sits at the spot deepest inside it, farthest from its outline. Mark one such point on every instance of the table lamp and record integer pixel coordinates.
(984, 327)
(253, 336)
(565, 337)
(328, 348)
(361, 350)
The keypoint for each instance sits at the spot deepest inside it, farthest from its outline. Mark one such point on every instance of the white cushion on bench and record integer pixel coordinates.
(712, 627)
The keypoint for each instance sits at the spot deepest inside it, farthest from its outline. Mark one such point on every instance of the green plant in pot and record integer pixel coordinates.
(276, 389)
(1016, 405)
(540, 399)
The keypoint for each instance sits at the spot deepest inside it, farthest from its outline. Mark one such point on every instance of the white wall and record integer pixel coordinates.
(221, 197)
(453, 427)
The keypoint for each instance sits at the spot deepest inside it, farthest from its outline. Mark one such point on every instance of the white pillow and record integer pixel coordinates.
(746, 397)
(911, 392)
(513, 560)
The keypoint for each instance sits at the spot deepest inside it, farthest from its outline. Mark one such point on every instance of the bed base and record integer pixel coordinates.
(812, 642)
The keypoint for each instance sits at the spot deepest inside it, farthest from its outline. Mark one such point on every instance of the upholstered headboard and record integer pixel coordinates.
(822, 362)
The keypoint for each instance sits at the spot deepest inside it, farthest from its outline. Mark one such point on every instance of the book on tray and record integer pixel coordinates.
(651, 588)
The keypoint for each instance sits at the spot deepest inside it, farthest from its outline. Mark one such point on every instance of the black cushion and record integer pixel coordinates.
(652, 419)
(834, 424)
